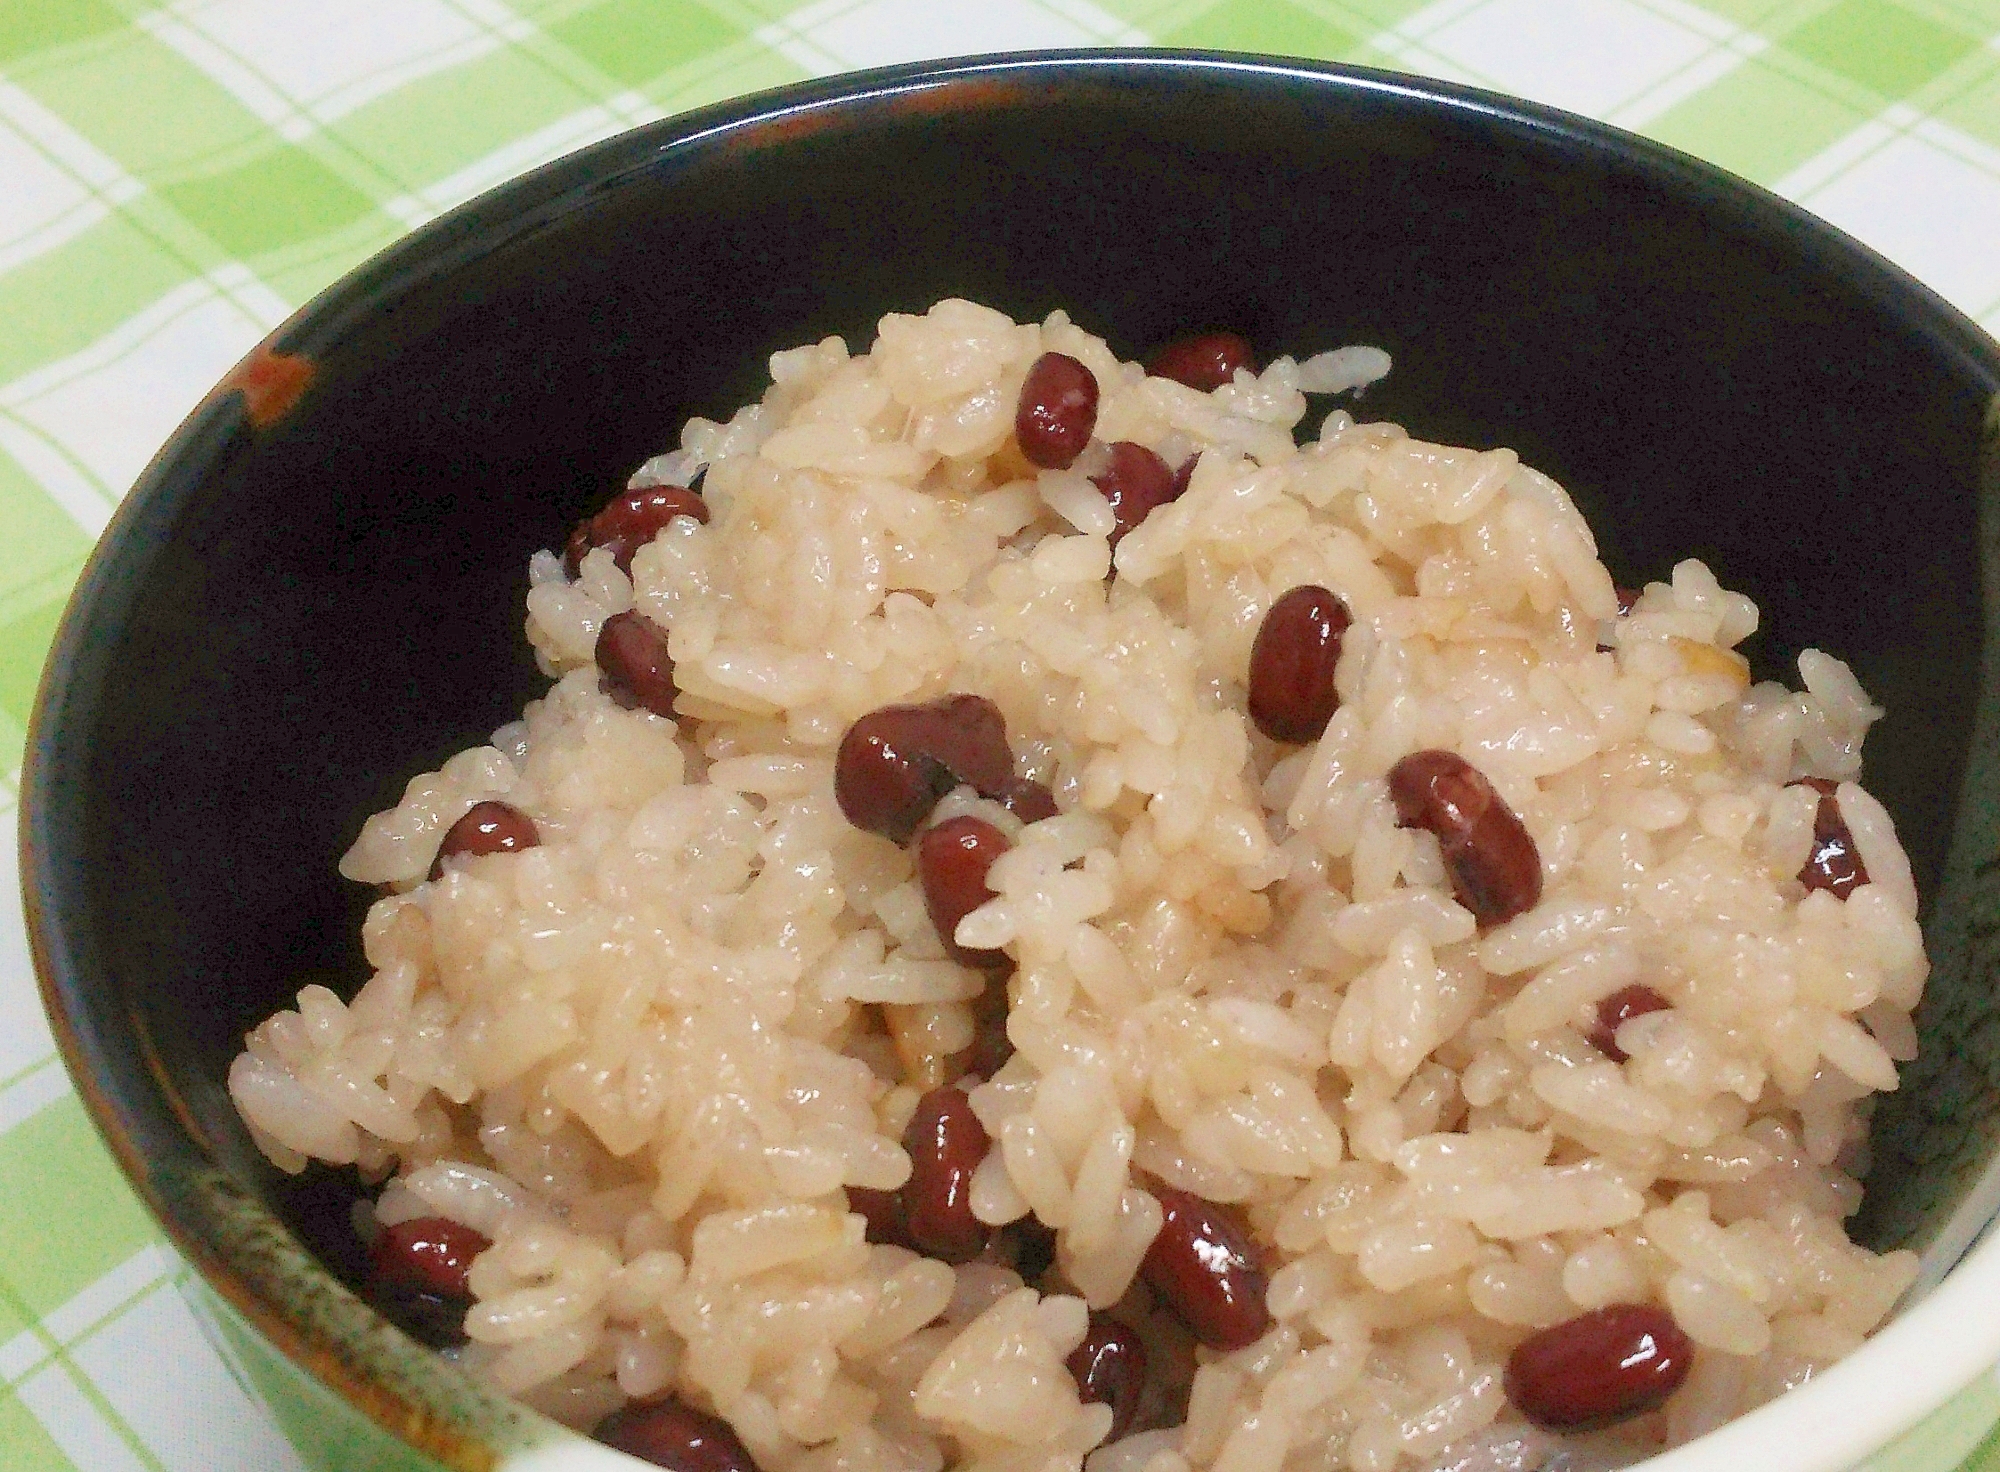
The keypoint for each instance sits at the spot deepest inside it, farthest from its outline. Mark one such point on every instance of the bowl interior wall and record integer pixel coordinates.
(317, 611)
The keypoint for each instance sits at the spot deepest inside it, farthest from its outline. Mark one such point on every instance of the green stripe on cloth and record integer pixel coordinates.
(28, 29)
(57, 1173)
(633, 43)
(1891, 50)
(1278, 27)
(1976, 110)
(1760, 121)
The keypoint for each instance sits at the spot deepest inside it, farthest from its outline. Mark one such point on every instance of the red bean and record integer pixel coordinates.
(1026, 799)
(486, 828)
(629, 522)
(883, 778)
(638, 672)
(883, 1212)
(1184, 477)
(1109, 1368)
(1599, 1368)
(1134, 481)
(1495, 869)
(1618, 1009)
(1207, 1271)
(670, 1434)
(952, 860)
(1835, 863)
(1203, 362)
(418, 1277)
(1056, 412)
(991, 1047)
(969, 735)
(432, 1253)
(1292, 664)
(946, 1142)
(1026, 1246)
(895, 763)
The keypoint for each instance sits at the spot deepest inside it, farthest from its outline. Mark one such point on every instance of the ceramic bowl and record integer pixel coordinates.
(315, 590)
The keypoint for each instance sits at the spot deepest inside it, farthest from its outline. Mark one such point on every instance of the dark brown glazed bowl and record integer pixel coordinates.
(316, 589)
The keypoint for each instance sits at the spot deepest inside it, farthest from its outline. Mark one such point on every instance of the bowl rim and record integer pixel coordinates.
(1911, 1366)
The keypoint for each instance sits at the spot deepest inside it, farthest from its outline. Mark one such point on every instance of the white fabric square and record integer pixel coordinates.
(1590, 56)
(74, 1422)
(564, 135)
(1106, 28)
(57, 185)
(840, 34)
(187, 1408)
(21, 1354)
(299, 62)
(86, 426)
(72, 1320)
(42, 205)
(1929, 200)
(34, 1091)
(1683, 84)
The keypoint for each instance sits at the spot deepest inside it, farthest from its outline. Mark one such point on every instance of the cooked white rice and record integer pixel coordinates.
(646, 1057)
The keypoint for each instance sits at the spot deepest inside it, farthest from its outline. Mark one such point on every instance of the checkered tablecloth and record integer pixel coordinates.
(175, 179)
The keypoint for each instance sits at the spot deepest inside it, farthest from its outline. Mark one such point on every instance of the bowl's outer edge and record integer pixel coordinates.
(243, 1252)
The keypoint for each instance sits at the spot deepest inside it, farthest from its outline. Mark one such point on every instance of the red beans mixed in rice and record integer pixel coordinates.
(1065, 914)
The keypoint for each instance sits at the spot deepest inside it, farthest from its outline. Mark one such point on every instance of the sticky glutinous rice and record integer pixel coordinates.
(646, 1056)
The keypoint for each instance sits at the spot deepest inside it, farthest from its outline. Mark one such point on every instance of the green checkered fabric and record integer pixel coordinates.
(175, 178)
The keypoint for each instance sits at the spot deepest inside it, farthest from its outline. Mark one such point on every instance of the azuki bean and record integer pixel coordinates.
(896, 762)
(1135, 481)
(432, 1253)
(638, 672)
(1056, 412)
(952, 860)
(946, 1142)
(1495, 869)
(487, 828)
(1026, 1246)
(1599, 1368)
(991, 1047)
(671, 1434)
(418, 1277)
(883, 779)
(1207, 1271)
(1616, 1010)
(1109, 1368)
(1834, 863)
(1026, 799)
(969, 735)
(629, 521)
(1203, 362)
(1292, 664)
(883, 1212)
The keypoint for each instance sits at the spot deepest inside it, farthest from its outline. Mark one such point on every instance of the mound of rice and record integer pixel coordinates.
(646, 1057)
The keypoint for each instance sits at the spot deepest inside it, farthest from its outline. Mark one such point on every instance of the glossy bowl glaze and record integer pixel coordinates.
(315, 590)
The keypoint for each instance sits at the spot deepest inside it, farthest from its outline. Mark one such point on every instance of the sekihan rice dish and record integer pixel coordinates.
(1044, 919)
